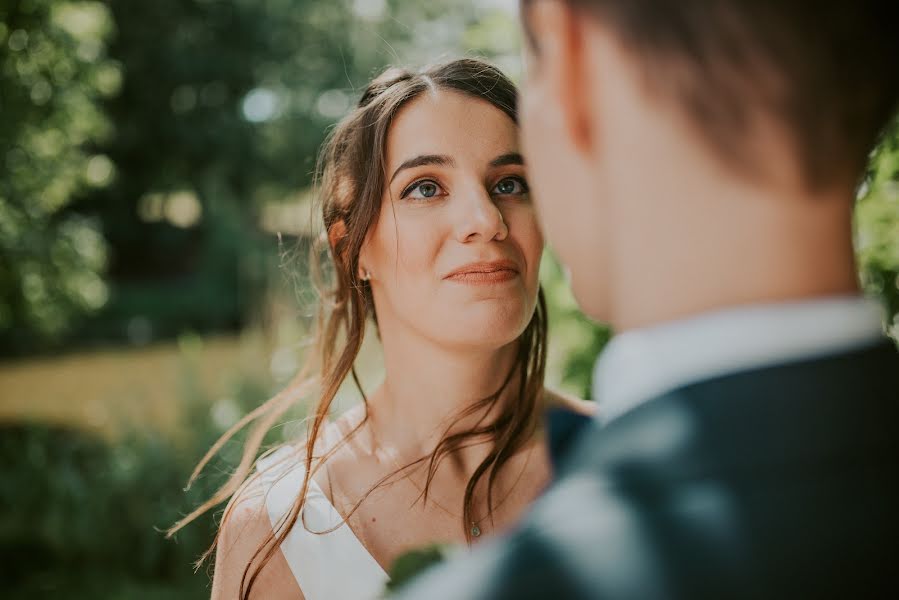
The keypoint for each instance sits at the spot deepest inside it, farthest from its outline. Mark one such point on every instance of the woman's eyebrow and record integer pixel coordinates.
(425, 159)
(511, 158)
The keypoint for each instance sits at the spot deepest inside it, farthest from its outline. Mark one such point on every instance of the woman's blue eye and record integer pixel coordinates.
(510, 186)
(428, 190)
(423, 189)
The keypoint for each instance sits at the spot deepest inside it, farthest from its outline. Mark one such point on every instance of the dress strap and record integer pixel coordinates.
(326, 565)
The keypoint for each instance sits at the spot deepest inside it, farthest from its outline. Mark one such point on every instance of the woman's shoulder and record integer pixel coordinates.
(245, 528)
(290, 458)
(269, 492)
(341, 448)
(281, 472)
(276, 464)
(558, 400)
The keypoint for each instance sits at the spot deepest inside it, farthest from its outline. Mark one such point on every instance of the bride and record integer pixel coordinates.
(432, 236)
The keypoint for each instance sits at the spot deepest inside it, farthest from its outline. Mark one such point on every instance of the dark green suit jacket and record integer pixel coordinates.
(781, 482)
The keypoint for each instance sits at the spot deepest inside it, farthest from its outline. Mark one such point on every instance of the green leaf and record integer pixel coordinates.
(412, 563)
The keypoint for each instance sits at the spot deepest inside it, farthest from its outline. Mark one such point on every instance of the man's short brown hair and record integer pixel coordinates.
(825, 70)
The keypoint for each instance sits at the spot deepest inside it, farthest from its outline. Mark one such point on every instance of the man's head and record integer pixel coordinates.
(635, 109)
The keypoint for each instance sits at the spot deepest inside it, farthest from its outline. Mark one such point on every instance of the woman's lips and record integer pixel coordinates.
(484, 273)
(484, 277)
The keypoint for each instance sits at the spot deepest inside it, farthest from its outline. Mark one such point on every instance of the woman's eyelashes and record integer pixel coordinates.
(511, 186)
(423, 189)
(428, 189)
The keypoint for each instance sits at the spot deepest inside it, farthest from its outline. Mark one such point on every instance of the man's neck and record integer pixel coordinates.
(689, 231)
(712, 247)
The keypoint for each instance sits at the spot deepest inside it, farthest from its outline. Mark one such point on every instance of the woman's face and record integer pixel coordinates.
(455, 253)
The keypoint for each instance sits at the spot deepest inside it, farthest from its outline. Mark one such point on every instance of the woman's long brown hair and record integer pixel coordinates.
(350, 175)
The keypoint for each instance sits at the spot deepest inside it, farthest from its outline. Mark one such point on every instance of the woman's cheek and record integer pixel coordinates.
(528, 236)
(412, 252)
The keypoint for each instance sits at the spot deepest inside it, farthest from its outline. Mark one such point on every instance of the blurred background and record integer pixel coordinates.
(155, 170)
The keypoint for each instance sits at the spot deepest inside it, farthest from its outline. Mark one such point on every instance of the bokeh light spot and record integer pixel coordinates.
(100, 170)
(260, 105)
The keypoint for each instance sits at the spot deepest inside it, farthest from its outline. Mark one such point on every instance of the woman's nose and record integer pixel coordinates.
(480, 219)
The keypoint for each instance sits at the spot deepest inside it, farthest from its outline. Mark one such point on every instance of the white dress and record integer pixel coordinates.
(328, 566)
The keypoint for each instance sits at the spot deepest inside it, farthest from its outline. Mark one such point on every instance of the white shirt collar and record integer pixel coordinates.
(641, 364)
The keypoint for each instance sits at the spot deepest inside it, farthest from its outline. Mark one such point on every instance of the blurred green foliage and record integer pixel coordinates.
(877, 226)
(83, 517)
(54, 73)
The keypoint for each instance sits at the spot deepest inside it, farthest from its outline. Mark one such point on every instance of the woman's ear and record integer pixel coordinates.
(363, 271)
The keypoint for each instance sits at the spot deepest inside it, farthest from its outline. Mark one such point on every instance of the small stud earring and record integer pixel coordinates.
(365, 275)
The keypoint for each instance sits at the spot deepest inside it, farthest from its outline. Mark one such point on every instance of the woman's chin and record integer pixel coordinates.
(489, 332)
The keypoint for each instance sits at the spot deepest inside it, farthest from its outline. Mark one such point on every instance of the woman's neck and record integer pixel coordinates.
(427, 387)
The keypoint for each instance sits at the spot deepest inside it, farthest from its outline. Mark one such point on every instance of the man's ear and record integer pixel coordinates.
(558, 50)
